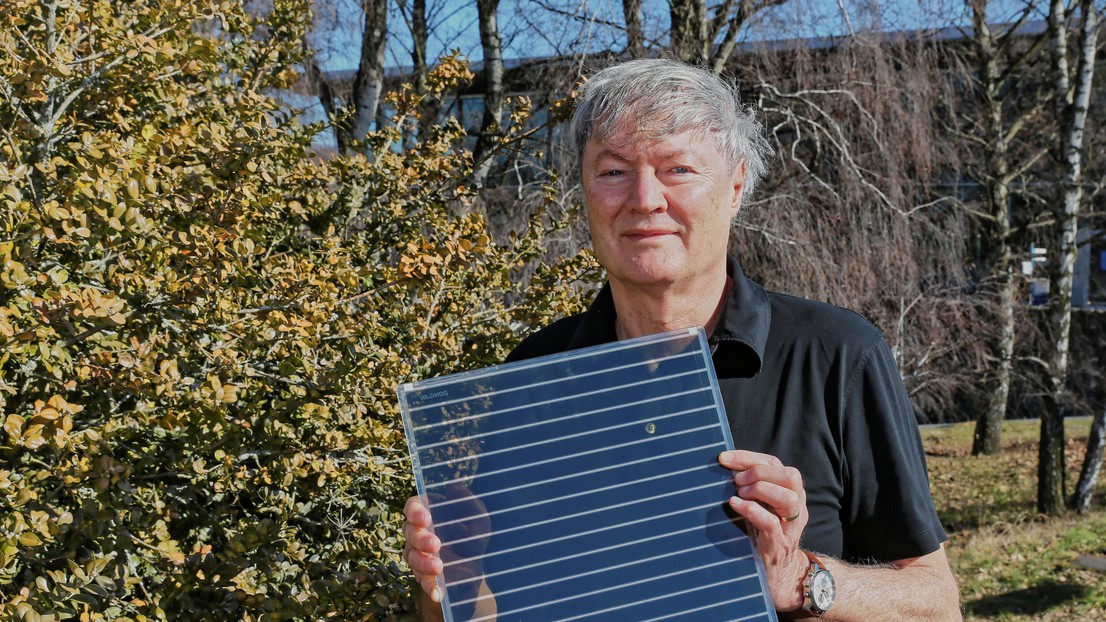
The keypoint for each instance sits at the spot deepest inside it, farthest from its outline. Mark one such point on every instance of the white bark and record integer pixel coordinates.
(368, 85)
(1073, 102)
(1092, 464)
(993, 130)
(494, 90)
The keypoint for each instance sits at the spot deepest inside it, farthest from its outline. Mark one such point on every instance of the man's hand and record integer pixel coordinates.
(422, 548)
(428, 559)
(772, 500)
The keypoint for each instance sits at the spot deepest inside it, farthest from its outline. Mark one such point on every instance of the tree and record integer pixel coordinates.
(415, 16)
(494, 88)
(354, 109)
(1000, 58)
(688, 32)
(1073, 98)
(368, 84)
(1092, 464)
(709, 37)
(846, 217)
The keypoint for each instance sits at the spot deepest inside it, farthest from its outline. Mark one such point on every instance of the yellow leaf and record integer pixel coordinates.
(14, 426)
(32, 437)
(58, 402)
(28, 538)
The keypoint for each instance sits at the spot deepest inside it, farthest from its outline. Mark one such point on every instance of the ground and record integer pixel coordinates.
(1012, 564)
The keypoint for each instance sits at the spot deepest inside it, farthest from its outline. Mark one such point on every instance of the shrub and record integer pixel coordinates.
(202, 324)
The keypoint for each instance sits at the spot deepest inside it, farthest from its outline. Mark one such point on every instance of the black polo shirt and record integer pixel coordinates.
(816, 386)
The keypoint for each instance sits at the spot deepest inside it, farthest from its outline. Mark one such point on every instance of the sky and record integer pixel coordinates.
(535, 28)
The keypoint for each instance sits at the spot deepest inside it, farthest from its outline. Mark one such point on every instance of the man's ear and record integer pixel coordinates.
(738, 187)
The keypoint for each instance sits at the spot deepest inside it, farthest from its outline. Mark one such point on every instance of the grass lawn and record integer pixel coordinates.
(1012, 564)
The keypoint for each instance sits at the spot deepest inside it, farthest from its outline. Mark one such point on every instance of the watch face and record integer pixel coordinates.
(822, 590)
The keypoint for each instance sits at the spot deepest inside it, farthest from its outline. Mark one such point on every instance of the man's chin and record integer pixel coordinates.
(646, 276)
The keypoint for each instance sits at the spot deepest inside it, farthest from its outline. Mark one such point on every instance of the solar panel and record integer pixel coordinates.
(585, 486)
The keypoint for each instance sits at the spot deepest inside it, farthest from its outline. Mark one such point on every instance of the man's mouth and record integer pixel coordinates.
(646, 234)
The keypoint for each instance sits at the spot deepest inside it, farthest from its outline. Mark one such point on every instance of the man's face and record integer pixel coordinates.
(660, 209)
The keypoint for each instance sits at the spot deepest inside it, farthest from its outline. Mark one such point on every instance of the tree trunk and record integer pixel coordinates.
(368, 85)
(419, 36)
(988, 431)
(415, 14)
(325, 93)
(1073, 102)
(1050, 450)
(488, 15)
(1092, 464)
(1051, 474)
(689, 30)
(988, 427)
(635, 37)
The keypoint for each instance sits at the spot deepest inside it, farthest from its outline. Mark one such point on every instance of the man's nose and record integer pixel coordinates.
(648, 194)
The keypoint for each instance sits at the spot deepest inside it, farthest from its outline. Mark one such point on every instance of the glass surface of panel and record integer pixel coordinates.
(585, 486)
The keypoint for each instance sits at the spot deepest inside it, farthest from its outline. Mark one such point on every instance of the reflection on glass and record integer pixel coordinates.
(585, 486)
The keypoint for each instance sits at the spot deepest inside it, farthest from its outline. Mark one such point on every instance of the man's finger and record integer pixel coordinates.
(430, 586)
(740, 459)
(781, 501)
(421, 540)
(416, 512)
(424, 564)
(786, 477)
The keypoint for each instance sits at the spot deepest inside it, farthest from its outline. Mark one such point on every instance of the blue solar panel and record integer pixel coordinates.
(585, 486)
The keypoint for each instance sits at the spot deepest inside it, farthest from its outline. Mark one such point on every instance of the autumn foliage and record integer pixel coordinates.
(202, 323)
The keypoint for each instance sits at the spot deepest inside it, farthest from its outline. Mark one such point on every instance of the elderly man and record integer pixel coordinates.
(830, 476)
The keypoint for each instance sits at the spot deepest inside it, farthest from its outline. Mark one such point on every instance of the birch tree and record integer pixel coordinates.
(1073, 85)
(353, 111)
(494, 88)
(414, 13)
(997, 60)
(1092, 464)
(368, 85)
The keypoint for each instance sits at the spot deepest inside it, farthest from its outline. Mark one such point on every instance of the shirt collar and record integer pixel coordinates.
(738, 341)
(597, 325)
(743, 330)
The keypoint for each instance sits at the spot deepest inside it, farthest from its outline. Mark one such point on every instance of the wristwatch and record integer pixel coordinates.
(819, 589)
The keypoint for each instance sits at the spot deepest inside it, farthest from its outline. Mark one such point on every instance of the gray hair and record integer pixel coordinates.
(664, 97)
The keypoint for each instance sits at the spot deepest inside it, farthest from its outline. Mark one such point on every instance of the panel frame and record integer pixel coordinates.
(420, 395)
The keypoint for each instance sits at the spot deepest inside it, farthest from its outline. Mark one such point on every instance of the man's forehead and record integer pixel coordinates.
(625, 144)
(627, 150)
(630, 127)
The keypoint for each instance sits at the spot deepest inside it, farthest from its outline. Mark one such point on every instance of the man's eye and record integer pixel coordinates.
(611, 173)
(681, 170)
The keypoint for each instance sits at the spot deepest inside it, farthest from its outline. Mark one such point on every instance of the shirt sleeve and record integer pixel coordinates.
(888, 510)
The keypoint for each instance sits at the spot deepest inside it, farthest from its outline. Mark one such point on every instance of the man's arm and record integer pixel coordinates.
(921, 588)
